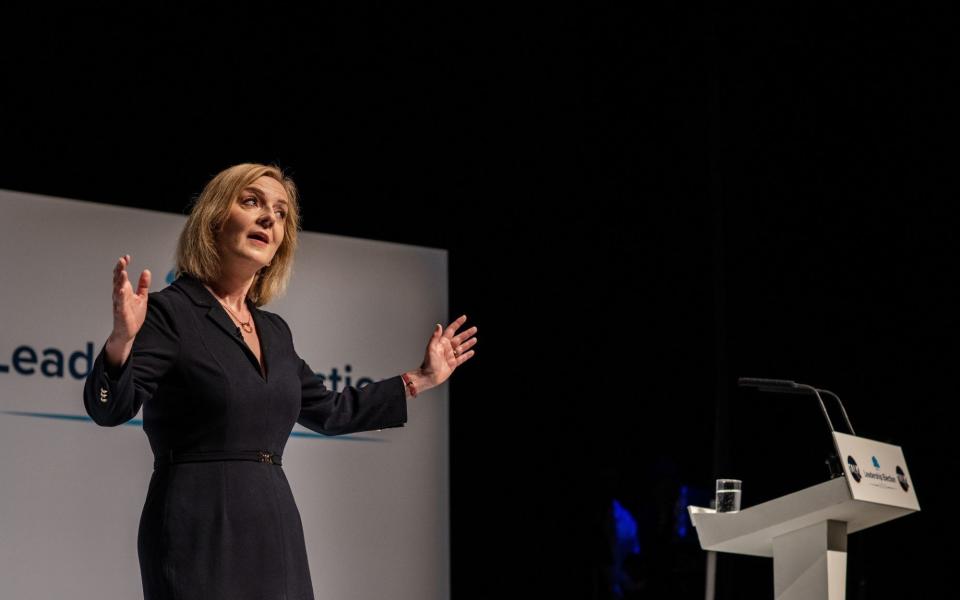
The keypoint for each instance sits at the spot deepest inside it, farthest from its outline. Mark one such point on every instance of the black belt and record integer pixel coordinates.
(171, 457)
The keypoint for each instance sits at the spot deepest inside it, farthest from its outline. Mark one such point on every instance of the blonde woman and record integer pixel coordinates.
(200, 357)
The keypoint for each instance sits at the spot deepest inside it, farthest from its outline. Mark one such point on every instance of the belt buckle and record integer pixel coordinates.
(266, 457)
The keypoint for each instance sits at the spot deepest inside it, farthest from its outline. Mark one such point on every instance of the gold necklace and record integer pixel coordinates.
(246, 326)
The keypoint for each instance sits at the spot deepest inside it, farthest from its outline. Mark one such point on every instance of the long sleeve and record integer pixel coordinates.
(377, 405)
(114, 398)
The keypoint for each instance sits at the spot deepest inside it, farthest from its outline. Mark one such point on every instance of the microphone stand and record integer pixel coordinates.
(792, 387)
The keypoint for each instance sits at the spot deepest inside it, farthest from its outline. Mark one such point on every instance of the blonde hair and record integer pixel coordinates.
(197, 253)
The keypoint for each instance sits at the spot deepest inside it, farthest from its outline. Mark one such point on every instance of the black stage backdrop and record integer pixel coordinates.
(641, 204)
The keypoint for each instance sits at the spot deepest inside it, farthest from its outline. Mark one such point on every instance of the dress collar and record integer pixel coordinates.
(199, 294)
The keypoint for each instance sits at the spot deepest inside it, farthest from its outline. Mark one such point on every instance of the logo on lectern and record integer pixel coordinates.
(902, 478)
(854, 469)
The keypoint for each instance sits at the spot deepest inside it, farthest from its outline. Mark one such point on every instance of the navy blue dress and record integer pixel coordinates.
(220, 521)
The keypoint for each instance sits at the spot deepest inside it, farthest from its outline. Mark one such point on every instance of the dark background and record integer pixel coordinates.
(641, 204)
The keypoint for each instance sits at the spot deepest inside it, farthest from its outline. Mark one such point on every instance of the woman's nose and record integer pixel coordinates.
(266, 220)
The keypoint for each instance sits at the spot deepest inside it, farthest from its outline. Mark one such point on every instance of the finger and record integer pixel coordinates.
(462, 336)
(466, 345)
(121, 264)
(143, 286)
(454, 326)
(122, 283)
(464, 357)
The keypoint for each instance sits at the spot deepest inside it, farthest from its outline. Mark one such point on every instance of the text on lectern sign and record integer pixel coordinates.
(876, 472)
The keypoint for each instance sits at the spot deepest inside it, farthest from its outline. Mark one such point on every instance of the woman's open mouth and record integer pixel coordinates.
(259, 238)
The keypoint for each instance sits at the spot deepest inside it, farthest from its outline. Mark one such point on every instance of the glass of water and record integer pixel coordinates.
(728, 495)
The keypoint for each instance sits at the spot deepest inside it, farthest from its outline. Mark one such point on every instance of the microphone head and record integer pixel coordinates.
(781, 386)
(778, 384)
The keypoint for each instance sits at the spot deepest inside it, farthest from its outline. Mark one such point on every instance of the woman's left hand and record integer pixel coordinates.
(446, 351)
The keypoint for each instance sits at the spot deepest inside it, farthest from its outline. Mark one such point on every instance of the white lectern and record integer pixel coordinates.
(806, 532)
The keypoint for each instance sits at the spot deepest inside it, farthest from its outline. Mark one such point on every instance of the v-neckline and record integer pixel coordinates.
(218, 314)
(260, 366)
(262, 369)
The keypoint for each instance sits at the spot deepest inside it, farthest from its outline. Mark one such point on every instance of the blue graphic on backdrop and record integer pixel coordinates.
(139, 423)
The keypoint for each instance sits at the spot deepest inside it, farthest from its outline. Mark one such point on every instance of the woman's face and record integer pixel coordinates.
(254, 228)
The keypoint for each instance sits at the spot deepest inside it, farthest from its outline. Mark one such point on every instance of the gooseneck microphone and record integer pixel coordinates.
(784, 386)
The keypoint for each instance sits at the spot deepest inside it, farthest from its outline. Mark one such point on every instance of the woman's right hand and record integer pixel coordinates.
(129, 311)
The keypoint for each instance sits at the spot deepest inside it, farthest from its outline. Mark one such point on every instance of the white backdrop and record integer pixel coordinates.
(374, 505)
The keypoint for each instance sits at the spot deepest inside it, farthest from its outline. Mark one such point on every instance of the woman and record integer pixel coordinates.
(221, 387)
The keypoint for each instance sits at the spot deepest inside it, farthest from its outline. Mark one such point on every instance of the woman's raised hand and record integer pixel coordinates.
(129, 307)
(129, 311)
(447, 350)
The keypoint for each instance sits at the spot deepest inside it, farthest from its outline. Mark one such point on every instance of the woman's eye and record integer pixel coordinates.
(281, 212)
